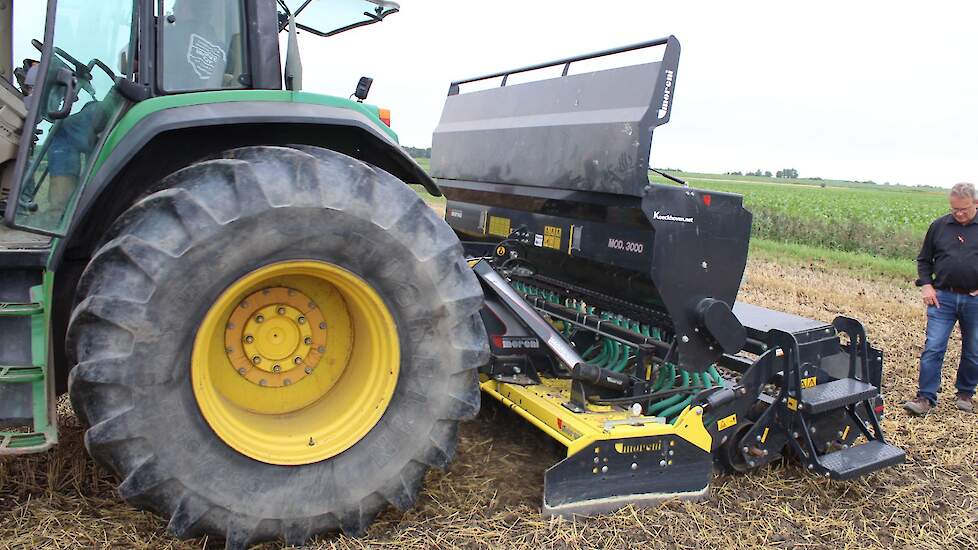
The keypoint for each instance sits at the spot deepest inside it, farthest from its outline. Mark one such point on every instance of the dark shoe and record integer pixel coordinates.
(918, 407)
(964, 402)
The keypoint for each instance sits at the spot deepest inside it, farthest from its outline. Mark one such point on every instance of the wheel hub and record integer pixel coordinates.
(295, 362)
(275, 337)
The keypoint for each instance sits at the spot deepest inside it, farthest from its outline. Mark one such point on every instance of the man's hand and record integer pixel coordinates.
(929, 295)
(975, 293)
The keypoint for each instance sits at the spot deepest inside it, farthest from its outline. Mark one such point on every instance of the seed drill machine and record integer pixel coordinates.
(611, 301)
(268, 335)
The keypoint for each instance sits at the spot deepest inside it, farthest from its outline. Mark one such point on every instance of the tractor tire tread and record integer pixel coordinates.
(113, 322)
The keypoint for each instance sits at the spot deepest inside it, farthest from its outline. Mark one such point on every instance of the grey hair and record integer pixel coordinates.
(963, 190)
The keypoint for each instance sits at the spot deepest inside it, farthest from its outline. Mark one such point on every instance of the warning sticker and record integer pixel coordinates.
(551, 237)
(726, 422)
(499, 226)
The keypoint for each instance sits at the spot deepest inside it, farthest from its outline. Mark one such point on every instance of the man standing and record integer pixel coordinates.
(947, 268)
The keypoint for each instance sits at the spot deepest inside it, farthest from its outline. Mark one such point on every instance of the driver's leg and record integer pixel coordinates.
(64, 166)
(62, 187)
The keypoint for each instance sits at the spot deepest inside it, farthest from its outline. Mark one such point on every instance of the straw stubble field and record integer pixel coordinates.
(490, 496)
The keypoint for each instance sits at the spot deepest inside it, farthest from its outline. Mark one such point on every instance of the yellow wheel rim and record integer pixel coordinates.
(295, 362)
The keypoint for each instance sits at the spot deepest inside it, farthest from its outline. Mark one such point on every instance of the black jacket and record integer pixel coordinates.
(949, 257)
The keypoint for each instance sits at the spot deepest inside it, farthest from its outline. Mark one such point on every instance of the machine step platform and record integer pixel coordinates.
(861, 459)
(836, 394)
(21, 310)
(27, 414)
(20, 374)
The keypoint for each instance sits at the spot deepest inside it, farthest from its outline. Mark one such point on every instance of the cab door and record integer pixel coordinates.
(87, 49)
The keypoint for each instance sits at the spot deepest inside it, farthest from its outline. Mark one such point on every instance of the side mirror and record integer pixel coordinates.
(363, 88)
(124, 61)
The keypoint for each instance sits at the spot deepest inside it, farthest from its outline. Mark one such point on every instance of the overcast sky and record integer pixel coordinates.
(864, 90)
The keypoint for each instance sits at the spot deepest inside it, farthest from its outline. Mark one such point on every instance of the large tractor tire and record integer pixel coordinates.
(277, 344)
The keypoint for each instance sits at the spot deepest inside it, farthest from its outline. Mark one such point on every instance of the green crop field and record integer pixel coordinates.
(880, 220)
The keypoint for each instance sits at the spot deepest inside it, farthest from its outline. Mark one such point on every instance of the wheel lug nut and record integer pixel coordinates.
(308, 340)
(298, 360)
(301, 320)
(287, 382)
(281, 311)
(229, 350)
(242, 370)
(256, 360)
(277, 368)
(308, 370)
(322, 349)
(244, 304)
(260, 319)
(249, 339)
(263, 382)
(322, 325)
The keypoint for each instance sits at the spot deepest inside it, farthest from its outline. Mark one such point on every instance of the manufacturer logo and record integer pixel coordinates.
(510, 342)
(656, 215)
(666, 95)
(630, 448)
(204, 56)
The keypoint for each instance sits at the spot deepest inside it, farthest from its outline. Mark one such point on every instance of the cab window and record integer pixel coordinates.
(202, 45)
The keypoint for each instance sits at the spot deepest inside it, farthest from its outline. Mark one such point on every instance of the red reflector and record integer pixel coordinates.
(707, 199)
(879, 409)
(497, 340)
(385, 116)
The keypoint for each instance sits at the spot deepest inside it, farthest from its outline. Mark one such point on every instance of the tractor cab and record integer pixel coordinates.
(92, 62)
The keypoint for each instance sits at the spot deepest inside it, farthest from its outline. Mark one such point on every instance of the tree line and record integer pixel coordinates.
(418, 153)
(786, 173)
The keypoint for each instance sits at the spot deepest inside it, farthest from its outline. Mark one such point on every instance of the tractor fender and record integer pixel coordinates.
(227, 125)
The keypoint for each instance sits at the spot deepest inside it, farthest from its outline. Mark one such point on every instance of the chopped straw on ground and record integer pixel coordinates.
(490, 496)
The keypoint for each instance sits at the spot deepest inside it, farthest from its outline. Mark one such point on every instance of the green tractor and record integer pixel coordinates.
(266, 332)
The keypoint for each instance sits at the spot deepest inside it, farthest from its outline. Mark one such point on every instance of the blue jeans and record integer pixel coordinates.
(960, 308)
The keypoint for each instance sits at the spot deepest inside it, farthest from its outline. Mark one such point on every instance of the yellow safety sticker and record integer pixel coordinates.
(499, 226)
(845, 432)
(764, 435)
(725, 423)
(793, 403)
(809, 382)
(500, 251)
(551, 236)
